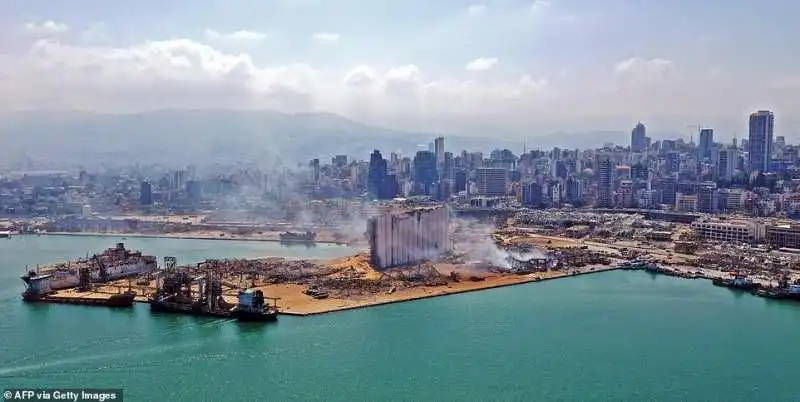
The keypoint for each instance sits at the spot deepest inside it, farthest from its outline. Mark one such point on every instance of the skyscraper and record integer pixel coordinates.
(706, 143)
(605, 181)
(424, 171)
(146, 193)
(726, 163)
(491, 181)
(638, 141)
(377, 175)
(438, 149)
(762, 125)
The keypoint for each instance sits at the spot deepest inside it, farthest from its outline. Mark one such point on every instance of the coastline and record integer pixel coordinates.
(195, 236)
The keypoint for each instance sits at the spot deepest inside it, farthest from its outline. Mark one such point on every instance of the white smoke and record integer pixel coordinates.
(475, 242)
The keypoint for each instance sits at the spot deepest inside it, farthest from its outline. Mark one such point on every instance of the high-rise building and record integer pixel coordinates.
(727, 159)
(762, 127)
(424, 172)
(339, 160)
(707, 198)
(605, 181)
(491, 181)
(669, 190)
(706, 144)
(377, 175)
(532, 195)
(626, 194)
(438, 149)
(315, 170)
(447, 167)
(638, 138)
(146, 193)
(574, 189)
(673, 162)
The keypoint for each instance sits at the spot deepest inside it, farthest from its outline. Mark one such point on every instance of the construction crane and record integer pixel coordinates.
(693, 128)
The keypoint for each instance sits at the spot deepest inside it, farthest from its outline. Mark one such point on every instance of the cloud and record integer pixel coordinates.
(185, 74)
(241, 35)
(46, 28)
(639, 69)
(477, 9)
(360, 76)
(481, 64)
(96, 32)
(540, 5)
(326, 37)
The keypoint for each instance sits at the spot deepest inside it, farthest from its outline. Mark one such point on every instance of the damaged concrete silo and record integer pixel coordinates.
(408, 237)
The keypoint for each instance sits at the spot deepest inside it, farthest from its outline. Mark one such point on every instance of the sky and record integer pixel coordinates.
(492, 67)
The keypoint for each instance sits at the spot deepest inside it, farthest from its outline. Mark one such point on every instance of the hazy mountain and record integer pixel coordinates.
(55, 139)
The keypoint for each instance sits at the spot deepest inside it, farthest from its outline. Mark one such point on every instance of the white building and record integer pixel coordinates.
(733, 230)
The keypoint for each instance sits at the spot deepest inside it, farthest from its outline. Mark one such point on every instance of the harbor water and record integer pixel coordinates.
(628, 336)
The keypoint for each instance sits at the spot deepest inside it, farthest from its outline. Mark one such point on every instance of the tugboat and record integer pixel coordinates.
(253, 306)
(739, 281)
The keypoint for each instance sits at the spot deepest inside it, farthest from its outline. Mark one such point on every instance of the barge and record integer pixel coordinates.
(38, 291)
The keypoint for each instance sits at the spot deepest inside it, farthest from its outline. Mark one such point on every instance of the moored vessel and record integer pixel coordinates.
(253, 306)
(295, 237)
(114, 263)
(38, 290)
(739, 281)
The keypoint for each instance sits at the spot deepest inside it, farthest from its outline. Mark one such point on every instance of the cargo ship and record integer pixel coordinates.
(738, 281)
(253, 306)
(295, 237)
(113, 263)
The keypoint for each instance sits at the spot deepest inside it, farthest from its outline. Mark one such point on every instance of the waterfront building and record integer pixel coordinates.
(730, 230)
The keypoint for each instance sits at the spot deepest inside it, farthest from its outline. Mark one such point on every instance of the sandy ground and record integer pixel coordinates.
(293, 301)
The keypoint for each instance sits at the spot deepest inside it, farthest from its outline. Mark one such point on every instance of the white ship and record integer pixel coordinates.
(114, 263)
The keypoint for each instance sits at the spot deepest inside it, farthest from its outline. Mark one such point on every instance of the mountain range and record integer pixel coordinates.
(174, 138)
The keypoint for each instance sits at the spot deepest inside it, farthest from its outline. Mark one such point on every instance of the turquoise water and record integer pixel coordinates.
(626, 336)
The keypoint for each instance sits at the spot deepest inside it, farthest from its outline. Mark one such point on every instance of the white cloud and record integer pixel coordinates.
(360, 76)
(481, 64)
(639, 69)
(326, 37)
(540, 5)
(46, 28)
(182, 73)
(241, 35)
(477, 9)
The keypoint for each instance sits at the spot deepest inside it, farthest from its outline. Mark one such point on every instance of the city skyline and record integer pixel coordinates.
(455, 67)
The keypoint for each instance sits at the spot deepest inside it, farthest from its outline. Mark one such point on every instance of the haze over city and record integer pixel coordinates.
(502, 68)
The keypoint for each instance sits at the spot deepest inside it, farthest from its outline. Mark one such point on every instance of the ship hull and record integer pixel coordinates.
(160, 306)
(121, 300)
(748, 286)
(123, 271)
(248, 316)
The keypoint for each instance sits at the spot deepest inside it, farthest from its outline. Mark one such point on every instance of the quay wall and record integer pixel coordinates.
(408, 237)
